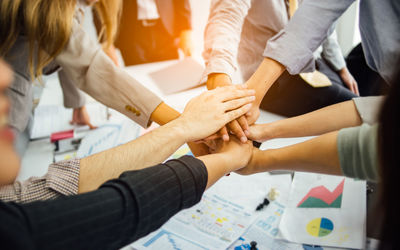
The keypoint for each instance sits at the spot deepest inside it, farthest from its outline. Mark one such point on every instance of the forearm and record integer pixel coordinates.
(150, 149)
(73, 98)
(119, 209)
(266, 74)
(318, 155)
(217, 166)
(332, 52)
(222, 35)
(164, 114)
(331, 118)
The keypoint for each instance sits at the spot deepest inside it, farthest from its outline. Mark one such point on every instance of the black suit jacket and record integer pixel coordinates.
(119, 212)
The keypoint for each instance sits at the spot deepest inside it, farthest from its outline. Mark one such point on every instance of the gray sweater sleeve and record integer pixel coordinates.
(357, 148)
(368, 108)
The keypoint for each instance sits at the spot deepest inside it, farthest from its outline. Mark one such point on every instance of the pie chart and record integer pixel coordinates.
(320, 227)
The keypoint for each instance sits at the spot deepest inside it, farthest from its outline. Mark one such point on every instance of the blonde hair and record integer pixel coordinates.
(48, 25)
(109, 14)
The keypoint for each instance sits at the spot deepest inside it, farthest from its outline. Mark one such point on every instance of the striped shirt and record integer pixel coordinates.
(119, 212)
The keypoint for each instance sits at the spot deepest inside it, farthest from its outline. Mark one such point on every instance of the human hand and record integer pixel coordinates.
(186, 43)
(215, 80)
(238, 127)
(349, 80)
(253, 114)
(237, 153)
(261, 132)
(80, 116)
(207, 113)
(252, 165)
(199, 148)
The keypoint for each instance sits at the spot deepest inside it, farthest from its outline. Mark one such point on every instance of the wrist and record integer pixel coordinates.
(273, 130)
(262, 160)
(226, 164)
(218, 163)
(215, 80)
(179, 129)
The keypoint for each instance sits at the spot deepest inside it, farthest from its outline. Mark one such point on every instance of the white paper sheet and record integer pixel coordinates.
(214, 223)
(182, 75)
(107, 136)
(325, 210)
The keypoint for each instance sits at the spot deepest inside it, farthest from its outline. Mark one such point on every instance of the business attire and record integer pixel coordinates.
(250, 24)
(379, 23)
(86, 65)
(61, 179)
(149, 29)
(358, 146)
(370, 83)
(119, 212)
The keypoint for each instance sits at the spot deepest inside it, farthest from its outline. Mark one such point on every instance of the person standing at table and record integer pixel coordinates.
(154, 30)
(248, 25)
(291, 49)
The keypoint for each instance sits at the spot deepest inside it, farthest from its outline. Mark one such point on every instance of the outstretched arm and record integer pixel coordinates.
(292, 48)
(319, 155)
(331, 118)
(122, 210)
(351, 152)
(221, 40)
(196, 122)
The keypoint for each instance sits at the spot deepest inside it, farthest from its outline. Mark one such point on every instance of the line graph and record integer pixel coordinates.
(321, 197)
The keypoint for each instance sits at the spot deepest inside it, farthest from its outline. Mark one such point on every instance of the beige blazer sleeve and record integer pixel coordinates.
(92, 71)
(73, 97)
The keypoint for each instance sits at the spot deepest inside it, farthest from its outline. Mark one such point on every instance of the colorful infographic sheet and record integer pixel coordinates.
(214, 223)
(325, 210)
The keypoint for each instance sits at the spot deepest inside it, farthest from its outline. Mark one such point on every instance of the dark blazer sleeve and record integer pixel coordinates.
(118, 213)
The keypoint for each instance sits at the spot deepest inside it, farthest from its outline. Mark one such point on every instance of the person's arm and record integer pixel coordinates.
(149, 149)
(352, 152)
(90, 69)
(121, 210)
(319, 155)
(222, 36)
(75, 99)
(224, 24)
(328, 119)
(262, 79)
(332, 53)
(292, 48)
(334, 117)
(294, 45)
(196, 122)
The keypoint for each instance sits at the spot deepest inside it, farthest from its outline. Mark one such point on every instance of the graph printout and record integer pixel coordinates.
(320, 197)
(325, 210)
(214, 223)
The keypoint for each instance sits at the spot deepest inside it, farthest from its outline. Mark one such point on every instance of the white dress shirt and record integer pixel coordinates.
(147, 10)
(266, 18)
